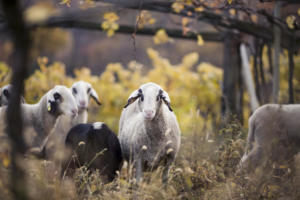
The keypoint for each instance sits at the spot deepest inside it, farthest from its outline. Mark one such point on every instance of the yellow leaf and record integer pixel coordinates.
(199, 9)
(145, 18)
(110, 32)
(232, 12)
(6, 162)
(177, 7)
(87, 4)
(111, 16)
(152, 21)
(290, 20)
(254, 18)
(65, 2)
(299, 11)
(114, 26)
(200, 40)
(282, 167)
(105, 25)
(188, 2)
(229, 1)
(185, 21)
(161, 37)
(110, 25)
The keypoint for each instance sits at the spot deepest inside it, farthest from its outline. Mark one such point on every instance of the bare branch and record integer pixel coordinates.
(127, 29)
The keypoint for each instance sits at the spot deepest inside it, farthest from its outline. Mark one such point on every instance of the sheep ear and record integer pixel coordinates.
(168, 104)
(94, 95)
(165, 98)
(134, 98)
(51, 106)
(131, 100)
(52, 103)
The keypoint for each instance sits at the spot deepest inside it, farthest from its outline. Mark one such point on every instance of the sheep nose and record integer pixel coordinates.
(149, 113)
(82, 103)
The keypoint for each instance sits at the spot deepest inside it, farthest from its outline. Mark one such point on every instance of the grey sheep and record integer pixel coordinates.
(273, 135)
(149, 133)
(54, 146)
(39, 119)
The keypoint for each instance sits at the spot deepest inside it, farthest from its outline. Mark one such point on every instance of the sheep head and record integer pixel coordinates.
(5, 94)
(150, 97)
(83, 91)
(61, 101)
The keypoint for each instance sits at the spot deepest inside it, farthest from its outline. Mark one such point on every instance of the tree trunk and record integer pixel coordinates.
(291, 72)
(262, 75)
(255, 68)
(230, 76)
(277, 35)
(270, 59)
(20, 36)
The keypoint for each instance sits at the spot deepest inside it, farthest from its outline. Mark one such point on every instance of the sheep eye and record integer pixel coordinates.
(88, 90)
(6, 93)
(56, 96)
(74, 90)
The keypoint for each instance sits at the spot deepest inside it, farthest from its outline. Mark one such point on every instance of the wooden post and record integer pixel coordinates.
(291, 71)
(247, 78)
(21, 39)
(277, 35)
(230, 76)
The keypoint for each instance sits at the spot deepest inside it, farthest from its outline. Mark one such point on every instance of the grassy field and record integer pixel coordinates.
(204, 169)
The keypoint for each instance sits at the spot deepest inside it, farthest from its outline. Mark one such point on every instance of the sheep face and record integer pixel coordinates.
(61, 101)
(83, 91)
(150, 96)
(5, 94)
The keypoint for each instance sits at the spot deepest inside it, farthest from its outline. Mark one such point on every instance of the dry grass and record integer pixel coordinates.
(204, 169)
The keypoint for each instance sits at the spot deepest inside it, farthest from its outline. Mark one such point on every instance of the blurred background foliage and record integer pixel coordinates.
(195, 89)
(116, 83)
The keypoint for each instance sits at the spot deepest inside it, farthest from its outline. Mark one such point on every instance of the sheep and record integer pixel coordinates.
(273, 134)
(95, 146)
(5, 93)
(148, 131)
(82, 92)
(39, 119)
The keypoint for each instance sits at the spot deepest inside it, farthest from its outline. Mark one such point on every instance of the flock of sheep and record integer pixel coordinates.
(149, 134)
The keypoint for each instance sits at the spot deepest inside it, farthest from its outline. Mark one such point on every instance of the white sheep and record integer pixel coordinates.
(273, 135)
(148, 130)
(5, 93)
(82, 92)
(39, 119)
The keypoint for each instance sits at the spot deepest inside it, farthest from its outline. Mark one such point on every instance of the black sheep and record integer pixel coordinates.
(95, 146)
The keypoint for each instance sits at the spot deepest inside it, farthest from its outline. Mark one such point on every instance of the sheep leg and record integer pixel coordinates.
(138, 170)
(166, 170)
(165, 175)
(252, 160)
